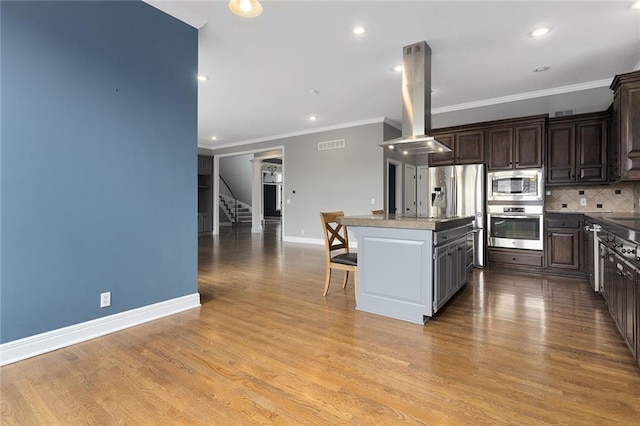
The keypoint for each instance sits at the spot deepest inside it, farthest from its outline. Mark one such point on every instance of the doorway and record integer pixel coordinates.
(409, 189)
(394, 186)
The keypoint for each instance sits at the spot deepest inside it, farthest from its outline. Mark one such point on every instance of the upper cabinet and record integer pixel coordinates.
(577, 149)
(624, 147)
(467, 147)
(205, 166)
(516, 144)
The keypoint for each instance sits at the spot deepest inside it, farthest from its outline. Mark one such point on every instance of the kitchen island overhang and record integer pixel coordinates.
(409, 266)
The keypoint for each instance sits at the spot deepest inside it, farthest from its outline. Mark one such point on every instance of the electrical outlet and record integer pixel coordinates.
(302, 232)
(583, 202)
(105, 299)
(373, 201)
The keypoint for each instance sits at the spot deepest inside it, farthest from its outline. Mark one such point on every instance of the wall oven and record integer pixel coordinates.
(515, 186)
(515, 226)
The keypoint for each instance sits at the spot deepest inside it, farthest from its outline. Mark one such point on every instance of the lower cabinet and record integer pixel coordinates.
(564, 239)
(450, 270)
(621, 291)
(515, 258)
(205, 223)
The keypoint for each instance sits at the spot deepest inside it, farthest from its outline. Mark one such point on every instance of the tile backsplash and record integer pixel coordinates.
(617, 197)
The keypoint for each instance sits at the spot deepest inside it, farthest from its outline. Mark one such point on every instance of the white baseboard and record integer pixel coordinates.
(316, 241)
(55, 339)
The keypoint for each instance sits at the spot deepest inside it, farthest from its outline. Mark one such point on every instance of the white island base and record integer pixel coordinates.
(408, 274)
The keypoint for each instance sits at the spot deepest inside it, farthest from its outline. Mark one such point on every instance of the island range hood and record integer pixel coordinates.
(416, 103)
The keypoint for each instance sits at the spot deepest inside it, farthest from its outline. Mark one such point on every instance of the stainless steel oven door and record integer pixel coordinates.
(522, 231)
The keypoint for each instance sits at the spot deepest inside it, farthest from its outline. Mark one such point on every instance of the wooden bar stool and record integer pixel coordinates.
(336, 244)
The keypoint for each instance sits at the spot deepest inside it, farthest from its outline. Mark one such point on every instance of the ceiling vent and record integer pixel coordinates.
(338, 143)
(564, 113)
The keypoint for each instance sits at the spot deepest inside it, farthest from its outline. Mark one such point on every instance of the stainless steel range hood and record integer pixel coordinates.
(416, 103)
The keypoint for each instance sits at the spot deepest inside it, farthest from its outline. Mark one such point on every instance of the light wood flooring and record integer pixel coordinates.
(267, 348)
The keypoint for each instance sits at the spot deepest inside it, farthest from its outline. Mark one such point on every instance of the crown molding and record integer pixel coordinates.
(524, 96)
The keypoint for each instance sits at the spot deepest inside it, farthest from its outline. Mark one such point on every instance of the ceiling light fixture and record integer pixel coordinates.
(541, 69)
(398, 68)
(214, 138)
(358, 30)
(539, 32)
(312, 118)
(203, 78)
(245, 8)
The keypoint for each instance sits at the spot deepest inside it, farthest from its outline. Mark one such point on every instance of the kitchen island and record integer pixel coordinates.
(410, 266)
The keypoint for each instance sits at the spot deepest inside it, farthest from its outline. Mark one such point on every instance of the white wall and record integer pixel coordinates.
(237, 171)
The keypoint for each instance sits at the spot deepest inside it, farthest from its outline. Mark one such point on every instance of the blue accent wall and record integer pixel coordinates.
(97, 161)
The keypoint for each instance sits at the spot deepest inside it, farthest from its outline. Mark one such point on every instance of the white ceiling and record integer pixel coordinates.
(261, 70)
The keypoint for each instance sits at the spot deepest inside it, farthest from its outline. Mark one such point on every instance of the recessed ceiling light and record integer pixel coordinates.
(391, 147)
(636, 5)
(203, 78)
(214, 138)
(359, 30)
(539, 32)
(541, 69)
(398, 68)
(312, 118)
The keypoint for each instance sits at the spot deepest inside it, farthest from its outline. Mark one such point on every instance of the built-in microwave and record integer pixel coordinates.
(516, 185)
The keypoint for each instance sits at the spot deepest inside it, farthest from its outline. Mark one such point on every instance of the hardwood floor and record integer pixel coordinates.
(266, 347)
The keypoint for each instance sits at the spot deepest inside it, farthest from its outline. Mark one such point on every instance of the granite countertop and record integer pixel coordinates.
(407, 222)
(623, 224)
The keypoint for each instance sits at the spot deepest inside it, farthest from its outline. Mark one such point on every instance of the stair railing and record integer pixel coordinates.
(225, 190)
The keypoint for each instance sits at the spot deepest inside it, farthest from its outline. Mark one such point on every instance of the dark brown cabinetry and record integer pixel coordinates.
(515, 144)
(577, 149)
(515, 258)
(564, 239)
(625, 128)
(467, 147)
(621, 291)
(205, 195)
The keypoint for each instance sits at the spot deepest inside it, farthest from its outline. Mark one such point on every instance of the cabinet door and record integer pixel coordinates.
(443, 158)
(500, 142)
(637, 320)
(613, 149)
(629, 283)
(204, 165)
(460, 264)
(200, 222)
(563, 249)
(629, 129)
(528, 146)
(469, 147)
(441, 275)
(592, 151)
(561, 154)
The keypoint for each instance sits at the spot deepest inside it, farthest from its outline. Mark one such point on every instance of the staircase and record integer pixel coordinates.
(236, 211)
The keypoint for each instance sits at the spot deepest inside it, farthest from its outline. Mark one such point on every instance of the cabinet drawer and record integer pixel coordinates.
(516, 257)
(563, 223)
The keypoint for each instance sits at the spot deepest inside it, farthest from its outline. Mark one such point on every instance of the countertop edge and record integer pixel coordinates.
(417, 223)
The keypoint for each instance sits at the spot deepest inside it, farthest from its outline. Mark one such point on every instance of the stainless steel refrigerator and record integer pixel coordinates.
(457, 191)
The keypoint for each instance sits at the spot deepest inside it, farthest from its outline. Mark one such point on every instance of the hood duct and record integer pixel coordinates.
(416, 103)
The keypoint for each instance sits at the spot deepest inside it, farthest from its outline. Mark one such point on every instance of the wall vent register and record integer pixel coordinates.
(336, 144)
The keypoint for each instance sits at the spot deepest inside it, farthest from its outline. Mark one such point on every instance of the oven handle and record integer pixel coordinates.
(518, 216)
